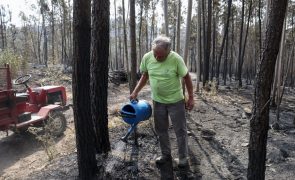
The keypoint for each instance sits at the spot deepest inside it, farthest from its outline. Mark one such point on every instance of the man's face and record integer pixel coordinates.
(160, 54)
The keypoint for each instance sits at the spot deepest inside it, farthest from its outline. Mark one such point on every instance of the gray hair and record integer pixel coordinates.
(163, 42)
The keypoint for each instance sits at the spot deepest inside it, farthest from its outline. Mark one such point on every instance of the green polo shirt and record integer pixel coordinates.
(165, 77)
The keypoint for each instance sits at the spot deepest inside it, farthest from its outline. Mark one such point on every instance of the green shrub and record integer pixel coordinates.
(14, 61)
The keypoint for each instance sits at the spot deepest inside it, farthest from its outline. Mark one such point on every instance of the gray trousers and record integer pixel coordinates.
(176, 112)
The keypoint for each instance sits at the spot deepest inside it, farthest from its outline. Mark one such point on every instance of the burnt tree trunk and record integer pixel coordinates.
(207, 45)
(43, 10)
(246, 35)
(52, 30)
(125, 37)
(223, 39)
(239, 62)
(214, 40)
(139, 33)
(225, 61)
(188, 31)
(116, 38)
(132, 82)
(81, 84)
(232, 49)
(39, 34)
(260, 36)
(2, 28)
(199, 46)
(260, 120)
(178, 27)
(99, 73)
(165, 3)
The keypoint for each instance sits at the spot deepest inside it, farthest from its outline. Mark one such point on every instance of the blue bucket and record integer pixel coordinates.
(136, 111)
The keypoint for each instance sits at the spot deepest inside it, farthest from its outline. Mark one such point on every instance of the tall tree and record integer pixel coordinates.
(53, 3)
(13, 32)
(139, 33)
(281, 92)
(232, 46)
(133, 75)
(70, 33)
(99, 73)
(214, 39)
(243, 42)
(147, 6)
(63, 28)
(44, 8)
(224, 38)
(239, 62)
(260, 119)
(278, 77)
(3, 23)
(225, 63)
(188, 28)
(178, 27)
(207, 45)
(153, 24)
(259, 25)
(125, 37)
(246, 37)
(116, 43)
(165, 4)
(199, 46)
(25, 31)
(81, 84)
(278, 71)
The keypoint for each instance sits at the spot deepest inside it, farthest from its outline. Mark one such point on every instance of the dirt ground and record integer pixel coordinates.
(218, 131)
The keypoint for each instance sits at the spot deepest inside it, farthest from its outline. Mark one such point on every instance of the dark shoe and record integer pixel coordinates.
(163, 159)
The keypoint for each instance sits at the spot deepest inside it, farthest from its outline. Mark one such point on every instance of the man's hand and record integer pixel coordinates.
(133, 95)
(144, 78)
(189, 104)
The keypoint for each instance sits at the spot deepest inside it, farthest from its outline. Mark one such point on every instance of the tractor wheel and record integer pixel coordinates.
(56, 124)
(21, 131)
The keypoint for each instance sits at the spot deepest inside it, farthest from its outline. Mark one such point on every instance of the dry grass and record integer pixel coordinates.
(47, 141)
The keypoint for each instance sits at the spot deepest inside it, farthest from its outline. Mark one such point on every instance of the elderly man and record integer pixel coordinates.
(164, 69)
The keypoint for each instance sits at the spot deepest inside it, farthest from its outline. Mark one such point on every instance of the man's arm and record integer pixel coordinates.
(189, 86)
(142, 82)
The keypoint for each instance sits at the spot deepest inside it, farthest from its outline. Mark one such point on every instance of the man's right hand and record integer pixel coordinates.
(133, 95)
(139, 86)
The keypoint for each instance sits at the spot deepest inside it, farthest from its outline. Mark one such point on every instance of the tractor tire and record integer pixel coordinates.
(56, 124)
(21, 131)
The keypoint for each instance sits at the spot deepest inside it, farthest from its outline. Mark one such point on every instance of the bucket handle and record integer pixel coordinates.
(134, 101)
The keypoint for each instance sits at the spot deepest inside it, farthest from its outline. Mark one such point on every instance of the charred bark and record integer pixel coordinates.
(81, 85)
(99, 73)
(260, 120)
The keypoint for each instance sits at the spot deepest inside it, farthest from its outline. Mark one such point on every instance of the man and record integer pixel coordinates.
(165, 69)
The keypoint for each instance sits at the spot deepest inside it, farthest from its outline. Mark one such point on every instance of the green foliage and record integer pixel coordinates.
(14, 61)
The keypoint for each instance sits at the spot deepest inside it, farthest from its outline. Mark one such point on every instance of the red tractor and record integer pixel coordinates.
(41, 106)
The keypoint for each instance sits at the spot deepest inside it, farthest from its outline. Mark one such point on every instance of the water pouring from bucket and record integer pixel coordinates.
(133, 113)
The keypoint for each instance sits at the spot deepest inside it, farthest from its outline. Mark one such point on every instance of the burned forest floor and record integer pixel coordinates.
(218, 139)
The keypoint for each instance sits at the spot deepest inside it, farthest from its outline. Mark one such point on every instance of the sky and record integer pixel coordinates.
(16, 6)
